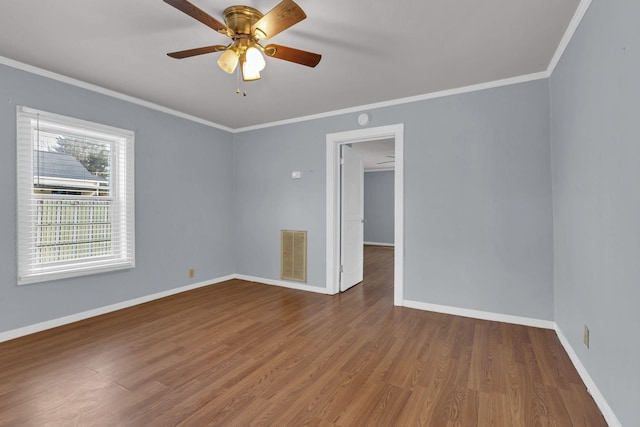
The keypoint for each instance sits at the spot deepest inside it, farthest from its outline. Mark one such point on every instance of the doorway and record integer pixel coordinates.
(334, 142)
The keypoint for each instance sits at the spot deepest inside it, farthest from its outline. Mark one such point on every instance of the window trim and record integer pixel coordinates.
(122, 220)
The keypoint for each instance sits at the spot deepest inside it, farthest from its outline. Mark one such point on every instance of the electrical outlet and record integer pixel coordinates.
(191, 273)
(586, 336)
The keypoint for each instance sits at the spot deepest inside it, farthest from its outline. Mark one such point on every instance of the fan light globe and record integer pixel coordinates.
(228, 61)
(255, 59)
(248, 72)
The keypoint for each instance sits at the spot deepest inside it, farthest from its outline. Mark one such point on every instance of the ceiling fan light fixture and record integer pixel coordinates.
(228, 61)
(249, 71)
(255, 59)
(246, 26)
(249, 74)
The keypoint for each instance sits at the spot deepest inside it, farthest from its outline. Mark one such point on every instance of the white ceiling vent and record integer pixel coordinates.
(293, 254)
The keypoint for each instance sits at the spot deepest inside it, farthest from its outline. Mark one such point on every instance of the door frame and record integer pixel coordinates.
(334, 141)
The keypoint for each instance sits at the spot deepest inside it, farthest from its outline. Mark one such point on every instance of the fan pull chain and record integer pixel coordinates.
(237, 80)
(244, 92)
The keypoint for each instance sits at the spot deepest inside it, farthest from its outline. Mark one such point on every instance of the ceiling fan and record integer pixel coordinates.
(246, 26)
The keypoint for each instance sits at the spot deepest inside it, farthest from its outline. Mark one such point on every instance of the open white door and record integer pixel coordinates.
(352, 218)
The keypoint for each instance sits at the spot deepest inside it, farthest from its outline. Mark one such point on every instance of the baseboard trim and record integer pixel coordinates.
(281, 283)
(379, 244)
(606, 410)
(483, 315)
(65, 320)
(54, 323)
(604, 407)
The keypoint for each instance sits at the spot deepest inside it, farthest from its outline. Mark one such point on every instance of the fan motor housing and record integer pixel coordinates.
(240, 19)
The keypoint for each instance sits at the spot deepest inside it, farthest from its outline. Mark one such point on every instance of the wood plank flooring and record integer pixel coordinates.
(241, 353)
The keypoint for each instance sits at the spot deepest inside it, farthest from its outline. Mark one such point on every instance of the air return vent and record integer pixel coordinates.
(294, 255)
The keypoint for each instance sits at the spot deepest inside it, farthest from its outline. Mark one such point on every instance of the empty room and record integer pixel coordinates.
(420, 213)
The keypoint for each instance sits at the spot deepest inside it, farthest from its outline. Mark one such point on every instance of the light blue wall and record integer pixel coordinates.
(378, 206)
(267, 200)
(183, 202)
(478, 222)
(596, 181)
(477, 199)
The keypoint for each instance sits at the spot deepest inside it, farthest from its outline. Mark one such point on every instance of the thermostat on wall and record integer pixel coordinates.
(363, 119)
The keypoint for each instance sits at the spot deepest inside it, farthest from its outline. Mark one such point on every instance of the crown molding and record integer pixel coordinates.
(98, 89)
(108, 92)
(400, 101)
(568, 35)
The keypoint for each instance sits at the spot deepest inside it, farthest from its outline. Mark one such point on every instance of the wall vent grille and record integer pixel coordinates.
(293, 255)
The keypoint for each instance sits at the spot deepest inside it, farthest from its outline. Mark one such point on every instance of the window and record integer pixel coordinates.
(75, 197)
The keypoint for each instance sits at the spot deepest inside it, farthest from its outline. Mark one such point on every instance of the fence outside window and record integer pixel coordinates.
(72, 228)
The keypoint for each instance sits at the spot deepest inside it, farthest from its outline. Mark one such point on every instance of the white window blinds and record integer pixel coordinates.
(75, 197)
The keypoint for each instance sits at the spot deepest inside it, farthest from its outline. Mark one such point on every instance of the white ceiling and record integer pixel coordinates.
(373, 51)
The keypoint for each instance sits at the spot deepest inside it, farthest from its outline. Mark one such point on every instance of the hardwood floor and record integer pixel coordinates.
(241, 353)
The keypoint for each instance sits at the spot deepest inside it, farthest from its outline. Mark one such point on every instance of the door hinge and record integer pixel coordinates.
(342, 160)
(342, 269)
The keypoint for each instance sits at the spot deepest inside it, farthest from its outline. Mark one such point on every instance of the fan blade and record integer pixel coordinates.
(301, 57)
(286, 14)
(197, 51)
(199, 14)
